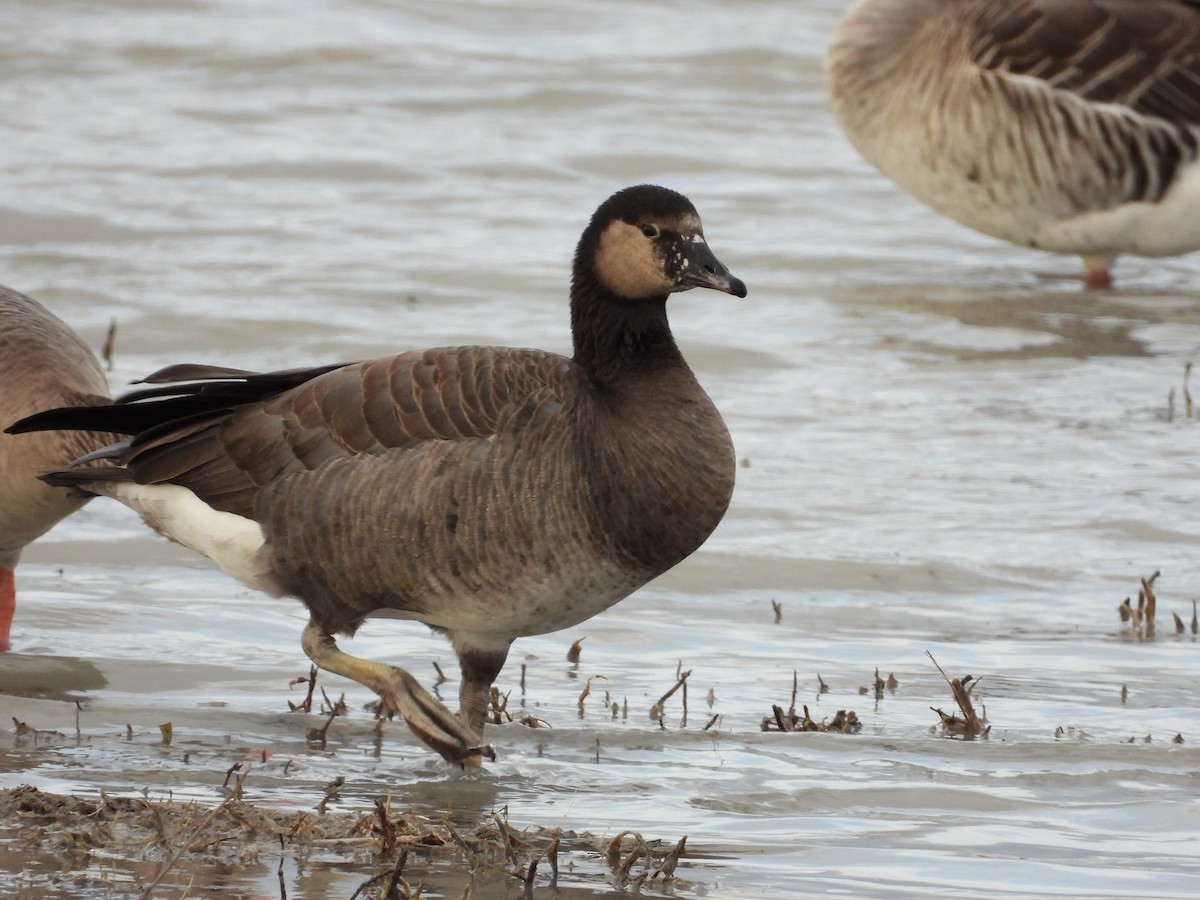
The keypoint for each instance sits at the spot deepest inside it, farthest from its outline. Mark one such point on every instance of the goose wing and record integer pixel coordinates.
(1140, 54)
(230, 435)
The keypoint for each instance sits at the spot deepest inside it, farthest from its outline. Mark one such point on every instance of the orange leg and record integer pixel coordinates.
(8, 605)
(1097, 271)
(1097, 279)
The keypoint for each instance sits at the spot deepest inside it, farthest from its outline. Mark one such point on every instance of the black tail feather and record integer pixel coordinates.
(218, 391)
(75, 479)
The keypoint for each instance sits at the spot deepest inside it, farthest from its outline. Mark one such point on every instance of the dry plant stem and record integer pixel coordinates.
(552, 855)
(305, 705)
(656, 709)
(1151, 599)
(110, 341)
(236, 767)
(958, 687)
(783, 720)
(387, 834)
(612, 851)
(394, 876)
(575, 650)
(667, 868)
(462, 845)
(508, 847)
(181, 849)
(587, 689)
(331, 791)
(279, 871)
(318, 735)
(531, 873)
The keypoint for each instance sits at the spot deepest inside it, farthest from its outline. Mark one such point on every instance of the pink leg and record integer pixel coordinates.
(1097, 271)
(1097, 279)
(8, 605)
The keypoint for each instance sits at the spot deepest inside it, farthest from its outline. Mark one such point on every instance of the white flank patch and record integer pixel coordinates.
(231, 541)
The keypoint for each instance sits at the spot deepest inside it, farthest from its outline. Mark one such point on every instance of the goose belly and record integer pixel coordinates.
(1169, 227)
(537, 603)
(1013, 210)
(1050, 173)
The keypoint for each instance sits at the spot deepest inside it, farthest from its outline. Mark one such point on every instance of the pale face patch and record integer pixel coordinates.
(633, 265)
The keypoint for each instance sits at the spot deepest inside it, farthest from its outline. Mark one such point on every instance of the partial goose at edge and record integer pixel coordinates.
(43, 363)
(1071, 126)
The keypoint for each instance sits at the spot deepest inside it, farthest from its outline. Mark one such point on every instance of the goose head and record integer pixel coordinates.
(646, 242)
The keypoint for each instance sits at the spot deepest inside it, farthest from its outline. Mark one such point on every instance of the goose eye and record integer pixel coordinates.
(650, 231)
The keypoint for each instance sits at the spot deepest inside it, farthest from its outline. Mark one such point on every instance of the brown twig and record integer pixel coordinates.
(970, 724)
(657, 708)
(182, 848)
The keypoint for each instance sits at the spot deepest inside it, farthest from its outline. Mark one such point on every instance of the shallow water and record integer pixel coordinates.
(944, 449)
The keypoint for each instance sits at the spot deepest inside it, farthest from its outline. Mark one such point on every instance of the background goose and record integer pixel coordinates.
(488, 492)
(43, 363)
(1065, 125)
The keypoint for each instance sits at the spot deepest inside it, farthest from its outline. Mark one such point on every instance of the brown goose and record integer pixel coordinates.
(42, 363)
(485, 491)
(1067, 125)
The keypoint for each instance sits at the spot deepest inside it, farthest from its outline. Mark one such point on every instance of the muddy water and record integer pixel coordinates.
(946, 446)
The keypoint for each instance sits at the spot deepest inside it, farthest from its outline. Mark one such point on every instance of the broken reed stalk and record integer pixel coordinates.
(509, 851)
(575, 650)
(657, 709)
(552, 855)
(1187, 395)
(667, 868)
(394, 878)
(387, 834)
(331, 792)
(110, 342)
(969, 725)
(441, 676)
(182, 848)
(304, 705)
(1151, 599)
(279, 871)
(587, 689)
(319, 736)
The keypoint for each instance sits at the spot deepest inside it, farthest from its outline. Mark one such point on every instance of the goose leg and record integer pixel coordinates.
(1097, 274)
(479, 669)
(403, 694)
(8, 605)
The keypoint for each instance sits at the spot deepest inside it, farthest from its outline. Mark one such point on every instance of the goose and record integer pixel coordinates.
(1071, 126)
(43, 363)
(488, 492)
